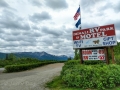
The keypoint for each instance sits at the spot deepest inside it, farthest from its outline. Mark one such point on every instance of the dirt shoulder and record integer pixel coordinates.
(30, 80)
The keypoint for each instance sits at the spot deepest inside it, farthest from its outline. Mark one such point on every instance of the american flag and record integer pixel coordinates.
(77, 14)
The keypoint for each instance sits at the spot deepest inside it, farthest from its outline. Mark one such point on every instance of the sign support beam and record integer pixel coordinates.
(106, 55)
(81, 59)
(112, 52)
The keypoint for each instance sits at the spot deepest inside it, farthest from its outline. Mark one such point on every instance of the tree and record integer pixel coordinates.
(7, 57)
(77, 54)
(10, 56)
(69, 58)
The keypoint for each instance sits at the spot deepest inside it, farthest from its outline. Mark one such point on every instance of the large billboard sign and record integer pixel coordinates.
(93, 54)
(95, 37)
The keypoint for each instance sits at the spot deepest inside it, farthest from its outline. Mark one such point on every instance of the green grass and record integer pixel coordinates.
(57, 84)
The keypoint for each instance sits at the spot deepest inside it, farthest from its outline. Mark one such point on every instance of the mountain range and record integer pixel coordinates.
(37, 55)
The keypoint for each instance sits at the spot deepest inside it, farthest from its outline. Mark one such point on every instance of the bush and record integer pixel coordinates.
(3, 63)
(69, 64)
(117, 59)
(92, 76)
(93, 62)
(22, 67)
(72, 62)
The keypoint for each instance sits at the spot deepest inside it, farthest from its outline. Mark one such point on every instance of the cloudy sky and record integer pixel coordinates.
(47, 25)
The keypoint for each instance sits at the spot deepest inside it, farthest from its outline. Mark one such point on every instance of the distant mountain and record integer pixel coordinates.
(2, 55)
(37, 55)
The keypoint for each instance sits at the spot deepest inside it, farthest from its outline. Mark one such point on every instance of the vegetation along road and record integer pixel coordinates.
(34, 79)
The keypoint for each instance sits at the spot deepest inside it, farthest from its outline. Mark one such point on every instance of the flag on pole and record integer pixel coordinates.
(78, 23)
(77, 14)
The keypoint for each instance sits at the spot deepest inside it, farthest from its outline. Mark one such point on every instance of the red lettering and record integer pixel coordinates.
(86, 52)
(85, 57)
(101, 51)
(101, 57)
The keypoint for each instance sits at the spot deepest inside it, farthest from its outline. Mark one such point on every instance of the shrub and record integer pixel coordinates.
(3, 63)
(69, 64)
(117, 59)
(93, 62)
(22, 67)
(92, 76)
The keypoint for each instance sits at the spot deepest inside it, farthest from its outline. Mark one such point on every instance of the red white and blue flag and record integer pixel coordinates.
(77, 14)
(78, 23)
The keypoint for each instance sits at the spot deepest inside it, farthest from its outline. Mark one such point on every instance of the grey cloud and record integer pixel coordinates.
(8, 32)
(23, 43)
(58, 41)
(32, 33)
(12, 42)
(57, 4)
(5, 44)
(35, 3)
(16, 32)
(89, 25)
(88, 4)
(1, 31)
(19, 38)
(3, 4)
(36, 34)
(12, 49)
(62, 43)
(38, 17)
(54, 32)
(63, 39)
(16, 44)
(99, 14)
(47, 41)
(60, 34)
(117, 7)
(35, 27)
(11, 37)
(26, 38)
(106, 6)
(63, 47)
(11, 21)
(118, 36)
(110, 5)
(115, 22)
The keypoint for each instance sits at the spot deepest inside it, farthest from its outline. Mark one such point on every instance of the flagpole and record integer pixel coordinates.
(80, 50)
(78, 13)
(80, 19)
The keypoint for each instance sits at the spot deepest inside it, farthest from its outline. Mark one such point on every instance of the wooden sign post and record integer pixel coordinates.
(106, 55)
(81, 59)
(112, 52)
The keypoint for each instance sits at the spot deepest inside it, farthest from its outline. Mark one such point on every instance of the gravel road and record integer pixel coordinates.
(34, 79)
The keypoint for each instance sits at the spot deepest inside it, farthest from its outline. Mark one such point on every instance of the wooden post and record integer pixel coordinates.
(112, 52)
(81, 60)
(106, 55)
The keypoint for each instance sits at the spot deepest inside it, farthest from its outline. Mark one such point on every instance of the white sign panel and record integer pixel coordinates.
(93, 54)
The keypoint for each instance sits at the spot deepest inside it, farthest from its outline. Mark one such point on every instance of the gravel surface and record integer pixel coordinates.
(34, 79)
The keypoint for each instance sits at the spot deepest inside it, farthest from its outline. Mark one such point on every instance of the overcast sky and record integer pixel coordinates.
(47, 25)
